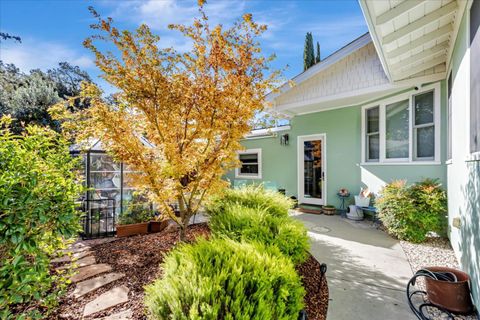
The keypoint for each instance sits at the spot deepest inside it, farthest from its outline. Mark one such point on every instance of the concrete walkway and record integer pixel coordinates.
(367, 270)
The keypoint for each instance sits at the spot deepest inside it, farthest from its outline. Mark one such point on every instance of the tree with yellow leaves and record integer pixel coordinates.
(193, 107)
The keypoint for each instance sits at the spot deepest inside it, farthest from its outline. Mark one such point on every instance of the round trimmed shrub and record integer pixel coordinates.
(255, 224)
(252, 196)
(225, 279)
(410, 212)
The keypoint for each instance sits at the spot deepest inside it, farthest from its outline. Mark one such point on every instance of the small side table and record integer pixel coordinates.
(343, 206)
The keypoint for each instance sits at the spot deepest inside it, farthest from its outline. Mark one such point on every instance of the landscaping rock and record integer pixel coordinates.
(87, 286)
(114, 297)
(90, 271)
(122, 315)
(82, 254)
(86, 261)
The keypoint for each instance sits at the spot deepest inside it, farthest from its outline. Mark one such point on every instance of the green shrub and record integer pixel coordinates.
(253, 197)
(410, 212)
(254, 224)
(38, 190)
(224, 279)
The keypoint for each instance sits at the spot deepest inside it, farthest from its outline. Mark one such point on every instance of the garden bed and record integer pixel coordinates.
(139, 257)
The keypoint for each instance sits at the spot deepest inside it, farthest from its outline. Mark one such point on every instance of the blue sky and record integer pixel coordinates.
(53, 31)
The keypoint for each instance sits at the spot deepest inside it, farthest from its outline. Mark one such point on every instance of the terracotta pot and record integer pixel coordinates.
(157, 226)
(329, 211)
(453, 296)
(125, 230)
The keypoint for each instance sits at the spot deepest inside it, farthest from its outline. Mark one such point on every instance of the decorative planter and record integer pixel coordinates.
(453, 296)
(329, 210)
(157, 226)
(354, 213)
(126, 230)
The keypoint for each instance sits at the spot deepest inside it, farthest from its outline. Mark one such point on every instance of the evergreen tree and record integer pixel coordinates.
(308, 52)
(317, 57)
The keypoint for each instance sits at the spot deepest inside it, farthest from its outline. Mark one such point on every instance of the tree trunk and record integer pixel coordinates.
(183, 228)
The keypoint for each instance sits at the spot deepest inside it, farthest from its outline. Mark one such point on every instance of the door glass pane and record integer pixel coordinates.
(397, 127)
(372, 120)
(426, 142)
(424, 108)
(373, 147)
(313, 169)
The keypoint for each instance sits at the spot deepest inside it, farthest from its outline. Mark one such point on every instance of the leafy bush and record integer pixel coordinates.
(224, 279)
(253, 197)
(410, 212)
(257, 224)
(38, 190)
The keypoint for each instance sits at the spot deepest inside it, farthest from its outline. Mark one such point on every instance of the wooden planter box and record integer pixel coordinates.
(157, 226)
(132, 229)
(329, 211)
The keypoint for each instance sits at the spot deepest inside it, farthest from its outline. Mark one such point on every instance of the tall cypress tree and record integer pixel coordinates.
(317, 57)
(308, 52)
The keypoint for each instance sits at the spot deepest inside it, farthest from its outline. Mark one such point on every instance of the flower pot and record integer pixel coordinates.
(329, 210)
(157, 226)
(453, 296)
(125, 230)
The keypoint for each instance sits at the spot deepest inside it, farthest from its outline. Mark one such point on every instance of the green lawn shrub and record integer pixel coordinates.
(257, 224)
(410, 212)
(38, 190)
(225, 279)
(253, 197)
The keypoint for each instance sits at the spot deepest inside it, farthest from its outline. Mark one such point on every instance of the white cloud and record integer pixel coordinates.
(35, 54)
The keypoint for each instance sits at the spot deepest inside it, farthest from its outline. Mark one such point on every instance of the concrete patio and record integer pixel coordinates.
(367, 269)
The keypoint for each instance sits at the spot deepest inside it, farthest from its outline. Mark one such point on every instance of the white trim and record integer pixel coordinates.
(300, 168)
(382, 108)
(462, 7)
(375, 39)
(239, 175)
(268, 132)
(414, 163)
(324, 64)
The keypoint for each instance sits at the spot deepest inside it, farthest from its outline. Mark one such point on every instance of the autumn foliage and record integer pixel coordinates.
(192, 107)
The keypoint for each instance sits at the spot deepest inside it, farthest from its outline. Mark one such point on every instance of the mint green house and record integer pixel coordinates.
(400, 102)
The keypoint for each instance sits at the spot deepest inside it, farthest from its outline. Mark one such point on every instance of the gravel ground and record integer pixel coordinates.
(433, 252)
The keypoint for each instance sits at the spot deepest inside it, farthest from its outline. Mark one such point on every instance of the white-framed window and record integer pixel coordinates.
(251, 164)
(403, 129)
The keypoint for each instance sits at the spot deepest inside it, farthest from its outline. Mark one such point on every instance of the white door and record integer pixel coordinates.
(312, 169)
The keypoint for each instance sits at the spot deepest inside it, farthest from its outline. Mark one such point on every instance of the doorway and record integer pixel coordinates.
(312, 169)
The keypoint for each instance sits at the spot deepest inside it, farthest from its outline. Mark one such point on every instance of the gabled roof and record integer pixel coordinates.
(322, 65)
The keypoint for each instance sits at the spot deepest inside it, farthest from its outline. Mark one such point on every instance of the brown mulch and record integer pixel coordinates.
(316, 298)
(139, 258)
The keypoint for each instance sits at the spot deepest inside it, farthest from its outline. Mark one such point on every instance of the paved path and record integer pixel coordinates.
(367, 269)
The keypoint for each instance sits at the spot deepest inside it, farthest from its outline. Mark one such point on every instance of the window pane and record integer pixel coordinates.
(397, 127)
(249, 168)
(424, 108)
(425, 142)
(249, 158)
(373, 143)
(372, 120)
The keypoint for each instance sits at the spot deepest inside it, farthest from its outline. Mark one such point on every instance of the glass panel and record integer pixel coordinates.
(372, 120)
(475, 77)
(103, 162)
(249, 158)
(249, 169)
(424, 108)
(426, 142)
(373, 145)
(313, 169)
(397, 127)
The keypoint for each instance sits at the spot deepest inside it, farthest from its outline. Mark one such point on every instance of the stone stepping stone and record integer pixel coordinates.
(114, 297)
(60, 259)
(90, 271)
(86, 261)
(68, 258)
(76, 249)
(82, 254)
(122, 315)
(87, 286)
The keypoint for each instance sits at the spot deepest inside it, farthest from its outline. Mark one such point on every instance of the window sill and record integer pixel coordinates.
(248, 177)
(417, 163)
(449, 161)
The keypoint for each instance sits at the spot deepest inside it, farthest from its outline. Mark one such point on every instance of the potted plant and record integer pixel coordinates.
(134, 220)
(329, 210)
